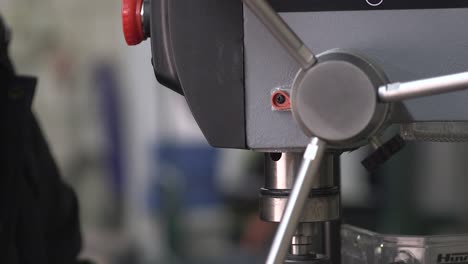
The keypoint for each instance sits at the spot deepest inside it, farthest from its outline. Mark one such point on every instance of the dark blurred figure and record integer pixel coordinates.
(39, 220)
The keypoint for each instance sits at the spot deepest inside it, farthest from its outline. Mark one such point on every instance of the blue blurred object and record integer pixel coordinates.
(194, 165)
(105, 79)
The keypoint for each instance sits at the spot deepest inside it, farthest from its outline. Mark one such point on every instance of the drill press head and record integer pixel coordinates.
(227, 65)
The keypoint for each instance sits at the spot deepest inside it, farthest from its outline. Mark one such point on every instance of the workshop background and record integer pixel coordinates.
(150, 188)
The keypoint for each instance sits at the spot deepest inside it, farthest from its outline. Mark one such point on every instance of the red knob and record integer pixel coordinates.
(131, 21)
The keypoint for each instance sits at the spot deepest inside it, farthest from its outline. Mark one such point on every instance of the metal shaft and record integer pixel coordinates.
(282, 32)
(306, 175)
(402, 91)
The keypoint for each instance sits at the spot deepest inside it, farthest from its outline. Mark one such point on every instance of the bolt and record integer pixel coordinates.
(280, 99)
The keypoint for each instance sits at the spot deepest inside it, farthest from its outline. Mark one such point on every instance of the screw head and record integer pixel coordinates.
(280, 99)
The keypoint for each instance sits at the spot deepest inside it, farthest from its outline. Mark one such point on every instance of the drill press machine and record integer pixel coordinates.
(304, 81)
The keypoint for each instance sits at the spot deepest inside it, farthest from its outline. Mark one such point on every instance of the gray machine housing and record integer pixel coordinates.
(406, 44)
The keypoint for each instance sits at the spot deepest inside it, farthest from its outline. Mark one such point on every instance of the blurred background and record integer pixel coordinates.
(150, 188)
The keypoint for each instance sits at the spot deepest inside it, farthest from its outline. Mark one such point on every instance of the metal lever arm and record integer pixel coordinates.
(282, 32)
(308, 172)
(402, 91)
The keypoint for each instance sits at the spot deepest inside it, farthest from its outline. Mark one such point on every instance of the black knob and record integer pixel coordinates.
(383, 153)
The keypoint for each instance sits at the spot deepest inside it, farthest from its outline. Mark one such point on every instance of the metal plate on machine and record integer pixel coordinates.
(344, 5)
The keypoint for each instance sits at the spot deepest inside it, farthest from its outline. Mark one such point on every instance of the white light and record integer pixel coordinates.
(374, 4)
